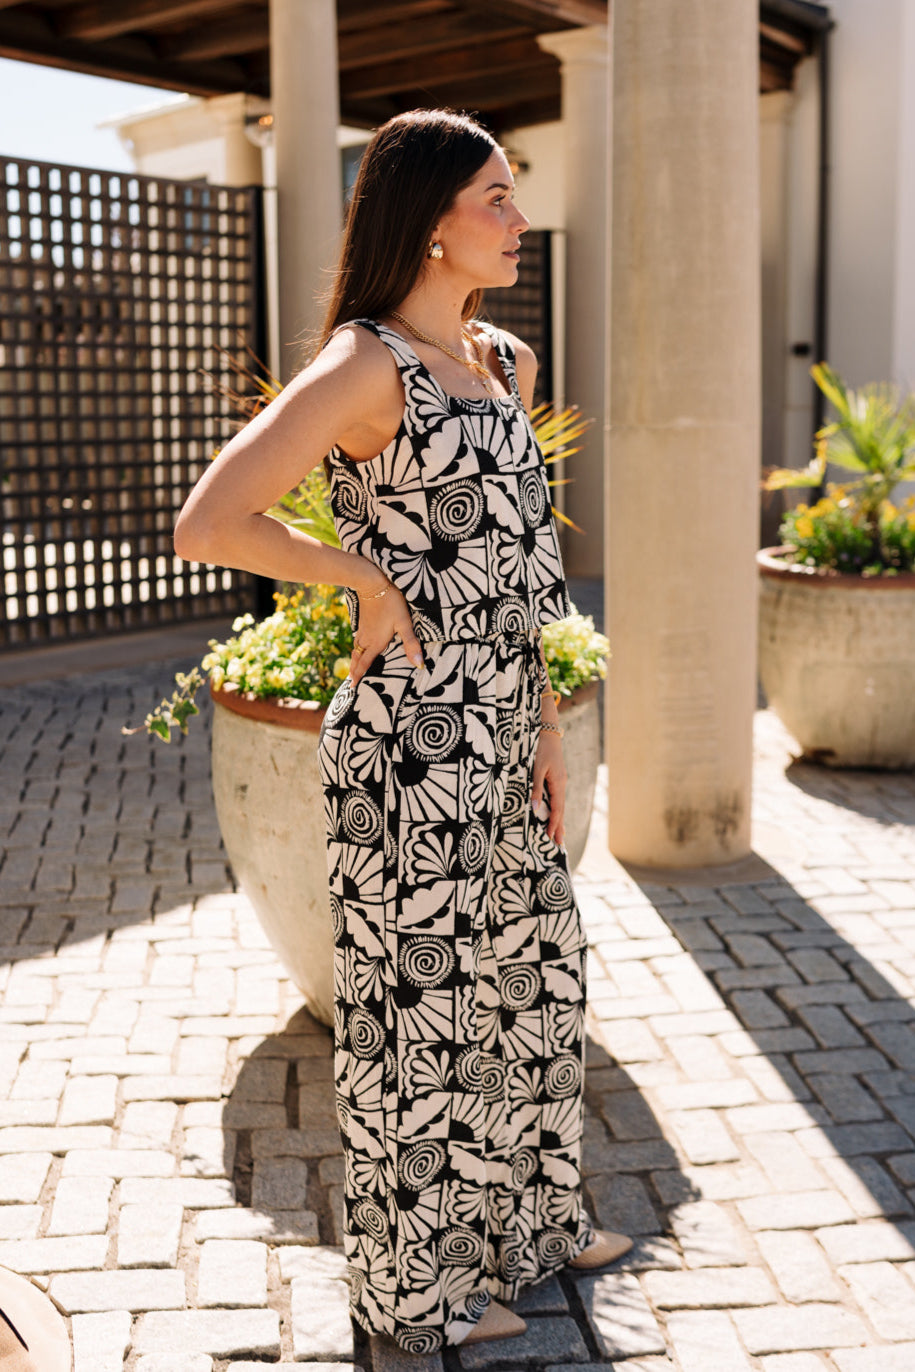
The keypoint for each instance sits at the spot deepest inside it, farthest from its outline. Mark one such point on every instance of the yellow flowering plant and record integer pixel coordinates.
(300, 652)
(855, 527)
(575, 653)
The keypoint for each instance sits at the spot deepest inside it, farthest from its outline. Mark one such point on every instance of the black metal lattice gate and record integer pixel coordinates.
(122, 300)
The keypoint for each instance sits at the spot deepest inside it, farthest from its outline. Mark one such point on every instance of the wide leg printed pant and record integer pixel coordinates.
(459, 991)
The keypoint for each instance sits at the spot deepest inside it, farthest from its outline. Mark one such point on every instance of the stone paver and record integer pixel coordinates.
(169, 1159)
(100, 1341)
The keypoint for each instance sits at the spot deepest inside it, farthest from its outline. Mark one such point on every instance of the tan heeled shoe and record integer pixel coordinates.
(33, 1336)
(605, 1247)
(496, 1322)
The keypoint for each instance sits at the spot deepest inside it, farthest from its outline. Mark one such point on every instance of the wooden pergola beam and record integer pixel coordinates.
(107, 18)
(438, 34)
(386, 78)
(246, 33)
(27, 37)
(781, 38)
(352, 14)
(561, 13)
(530, 84)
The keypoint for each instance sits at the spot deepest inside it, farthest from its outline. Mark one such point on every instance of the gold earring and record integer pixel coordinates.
(436, 250)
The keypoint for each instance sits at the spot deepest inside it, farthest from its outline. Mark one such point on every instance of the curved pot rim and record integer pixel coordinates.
(771, 562)
(306, 715)
(581, 696)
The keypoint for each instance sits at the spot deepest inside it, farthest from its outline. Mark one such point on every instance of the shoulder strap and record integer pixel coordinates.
(404, 356)
(504, 351)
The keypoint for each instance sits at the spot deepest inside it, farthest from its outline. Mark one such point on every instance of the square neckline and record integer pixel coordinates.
(512, 398)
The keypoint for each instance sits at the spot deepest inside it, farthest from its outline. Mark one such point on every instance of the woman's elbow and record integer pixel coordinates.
(193, 539)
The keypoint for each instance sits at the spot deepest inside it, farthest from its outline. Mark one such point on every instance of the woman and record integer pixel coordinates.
(460, 958)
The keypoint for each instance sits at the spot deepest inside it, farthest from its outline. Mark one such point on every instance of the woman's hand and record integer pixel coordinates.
(549, 768)
(383, 612)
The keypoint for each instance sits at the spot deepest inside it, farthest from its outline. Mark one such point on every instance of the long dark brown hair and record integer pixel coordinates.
(410, 173)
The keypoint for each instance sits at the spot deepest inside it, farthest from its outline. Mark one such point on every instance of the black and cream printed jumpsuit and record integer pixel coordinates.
(459, 952)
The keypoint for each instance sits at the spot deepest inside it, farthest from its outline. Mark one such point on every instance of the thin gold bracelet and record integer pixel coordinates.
(378, 594)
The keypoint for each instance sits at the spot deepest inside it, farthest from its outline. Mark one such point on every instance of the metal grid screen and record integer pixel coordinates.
(116, 293)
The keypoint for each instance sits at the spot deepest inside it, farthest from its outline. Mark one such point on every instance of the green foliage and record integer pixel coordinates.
(575, 653)
(300, 652)
(835, 533)
(855, 527)
(174, 713)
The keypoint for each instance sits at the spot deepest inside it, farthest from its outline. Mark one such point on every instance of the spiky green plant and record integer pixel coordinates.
(873, 437)
(307, 505)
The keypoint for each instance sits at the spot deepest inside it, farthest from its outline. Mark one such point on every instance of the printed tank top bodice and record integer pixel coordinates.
(456, 509)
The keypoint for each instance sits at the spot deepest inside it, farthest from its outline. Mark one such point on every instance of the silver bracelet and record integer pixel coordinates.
(551, 729)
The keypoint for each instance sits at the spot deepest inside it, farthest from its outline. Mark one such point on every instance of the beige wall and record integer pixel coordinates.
(869, 149)
(195, 140)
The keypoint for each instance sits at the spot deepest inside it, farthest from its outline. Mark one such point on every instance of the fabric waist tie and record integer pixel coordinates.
(527, 643)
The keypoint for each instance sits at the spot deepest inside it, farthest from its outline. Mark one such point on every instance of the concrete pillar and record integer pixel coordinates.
(305, 99)
(585, 63)
(684, 432)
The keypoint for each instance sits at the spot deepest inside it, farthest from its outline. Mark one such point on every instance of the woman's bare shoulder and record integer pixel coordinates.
(356, 354)
(354, 378)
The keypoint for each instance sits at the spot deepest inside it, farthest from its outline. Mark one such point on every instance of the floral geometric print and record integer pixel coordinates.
(456, 510)
(459, 959)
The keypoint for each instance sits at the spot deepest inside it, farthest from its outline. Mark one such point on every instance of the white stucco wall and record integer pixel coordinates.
(904, 320)
(195, 140)
(869, 256)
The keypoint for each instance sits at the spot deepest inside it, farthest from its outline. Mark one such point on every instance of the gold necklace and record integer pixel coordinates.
(478, 367)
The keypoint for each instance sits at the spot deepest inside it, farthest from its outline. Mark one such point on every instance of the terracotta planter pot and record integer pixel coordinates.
(270, 806)
(837, 661)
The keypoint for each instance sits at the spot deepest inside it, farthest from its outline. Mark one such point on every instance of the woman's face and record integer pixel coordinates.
(480, 234)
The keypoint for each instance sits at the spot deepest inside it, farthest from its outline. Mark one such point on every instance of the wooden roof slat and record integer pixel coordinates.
(28, 37)
(359, 14)
(544, 14)
(781, 38)
(524, 113)
(416, 39)
(385, 78)
(246, 33)
(525, 83)
(108, 18)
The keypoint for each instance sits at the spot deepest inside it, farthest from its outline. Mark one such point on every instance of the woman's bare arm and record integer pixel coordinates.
(350, 395)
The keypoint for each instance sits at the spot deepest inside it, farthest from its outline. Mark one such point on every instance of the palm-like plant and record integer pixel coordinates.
(872, 437)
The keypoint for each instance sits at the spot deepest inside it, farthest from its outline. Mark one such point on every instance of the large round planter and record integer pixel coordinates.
(270, 806)
(580, 720)
(837, 661)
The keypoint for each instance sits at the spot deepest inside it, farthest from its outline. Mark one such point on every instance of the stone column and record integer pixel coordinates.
(584, 59)
(305, 98)
(684, 433)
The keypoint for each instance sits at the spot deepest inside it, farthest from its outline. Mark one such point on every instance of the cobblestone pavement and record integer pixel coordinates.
(169, 1162)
